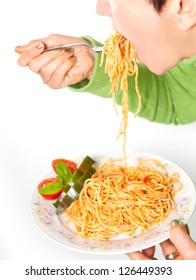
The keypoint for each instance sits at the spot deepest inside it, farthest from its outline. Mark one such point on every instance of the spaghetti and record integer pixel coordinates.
(120, 199)
(121, 62)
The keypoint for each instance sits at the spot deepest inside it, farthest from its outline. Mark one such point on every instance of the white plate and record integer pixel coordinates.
(52, 226)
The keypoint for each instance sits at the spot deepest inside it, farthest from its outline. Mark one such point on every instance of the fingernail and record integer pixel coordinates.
(175, 222)
(69, 50)
(60, 51)
(39, 46)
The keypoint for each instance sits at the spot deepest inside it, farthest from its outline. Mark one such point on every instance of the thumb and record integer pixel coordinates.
(35, 43)
(180, 237)
(29, 53)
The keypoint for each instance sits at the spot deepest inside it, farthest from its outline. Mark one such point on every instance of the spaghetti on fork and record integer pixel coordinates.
(121, 62)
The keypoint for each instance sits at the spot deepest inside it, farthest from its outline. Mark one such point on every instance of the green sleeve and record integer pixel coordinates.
(169, 98)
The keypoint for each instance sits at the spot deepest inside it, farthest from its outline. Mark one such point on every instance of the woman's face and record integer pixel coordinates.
(154, 36)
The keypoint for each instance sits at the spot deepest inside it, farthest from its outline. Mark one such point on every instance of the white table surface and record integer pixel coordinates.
(39, 124)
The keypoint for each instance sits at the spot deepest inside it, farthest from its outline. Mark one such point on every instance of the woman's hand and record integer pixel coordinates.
(179, 247)
(59, 68)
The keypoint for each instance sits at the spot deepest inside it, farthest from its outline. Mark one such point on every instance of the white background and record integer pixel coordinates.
(38, 124)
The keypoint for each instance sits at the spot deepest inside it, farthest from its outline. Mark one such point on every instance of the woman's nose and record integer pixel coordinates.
(103, 8)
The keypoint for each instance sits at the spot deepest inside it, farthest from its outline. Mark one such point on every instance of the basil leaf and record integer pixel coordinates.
(63, 172)
(51, 188)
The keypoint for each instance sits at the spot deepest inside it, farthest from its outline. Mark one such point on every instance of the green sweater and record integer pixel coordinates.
(169, 98)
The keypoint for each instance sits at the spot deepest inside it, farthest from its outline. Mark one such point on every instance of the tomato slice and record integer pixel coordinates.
(53, 195)
(71, 164)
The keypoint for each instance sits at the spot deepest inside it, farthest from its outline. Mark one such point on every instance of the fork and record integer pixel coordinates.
(94, 48)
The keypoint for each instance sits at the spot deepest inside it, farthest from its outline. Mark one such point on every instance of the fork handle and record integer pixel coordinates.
(66, 46)
(95, 48)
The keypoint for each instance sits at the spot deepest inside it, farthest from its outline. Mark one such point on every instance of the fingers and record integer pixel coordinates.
(149, 252)
(29, 52)
(146, 254)
(179, 235)
(180, 241)
(60, 77)
(57, 68)
(168, 247)
(47, 62)
(23, 48)
(52, 66)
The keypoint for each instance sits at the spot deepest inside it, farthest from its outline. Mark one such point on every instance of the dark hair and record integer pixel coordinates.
(158, 4)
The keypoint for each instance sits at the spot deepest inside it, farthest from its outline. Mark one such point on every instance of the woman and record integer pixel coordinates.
(163, 33)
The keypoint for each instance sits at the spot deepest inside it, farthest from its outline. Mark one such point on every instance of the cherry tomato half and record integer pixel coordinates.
(72, 165)
(53, 195)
